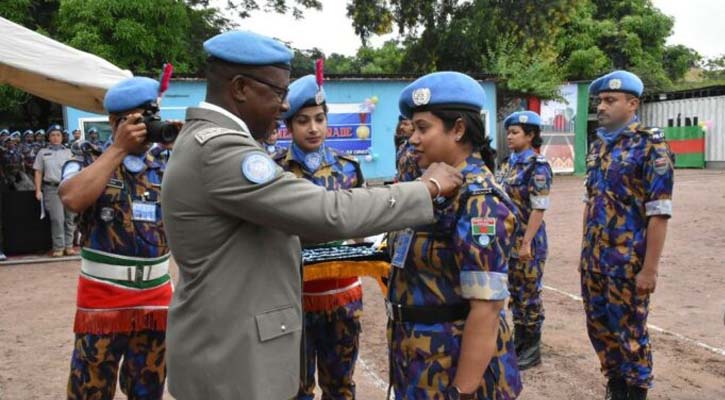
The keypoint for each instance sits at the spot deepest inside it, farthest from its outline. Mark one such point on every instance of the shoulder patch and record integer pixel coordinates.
(71, 168)
(258, 168)
(541, 159)
(211, 133)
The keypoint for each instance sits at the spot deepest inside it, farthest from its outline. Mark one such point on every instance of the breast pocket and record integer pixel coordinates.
(276, 323)
(622, 175)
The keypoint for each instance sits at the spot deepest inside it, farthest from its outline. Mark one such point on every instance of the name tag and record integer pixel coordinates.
(402, 246)
(142, 211)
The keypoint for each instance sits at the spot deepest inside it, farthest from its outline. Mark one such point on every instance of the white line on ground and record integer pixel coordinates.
(655, 328)
(377, 380)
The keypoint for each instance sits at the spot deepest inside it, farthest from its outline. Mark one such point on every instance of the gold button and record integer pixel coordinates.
(283, 327)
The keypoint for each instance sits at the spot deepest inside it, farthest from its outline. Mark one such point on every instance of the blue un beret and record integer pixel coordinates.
(617, 81)
(454, 89)
(522, 117)
(4, 132)
(248, 48)
(15, 135)
(303, 92)
(55, 127)
(131, 93)
(27, 132)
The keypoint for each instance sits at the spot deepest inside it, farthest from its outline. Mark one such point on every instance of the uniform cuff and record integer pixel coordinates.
(484, 285)
(539, 202)
(659, 207)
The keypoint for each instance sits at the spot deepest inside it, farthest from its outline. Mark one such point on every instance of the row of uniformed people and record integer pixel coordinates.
(18, 152)
(448, 337)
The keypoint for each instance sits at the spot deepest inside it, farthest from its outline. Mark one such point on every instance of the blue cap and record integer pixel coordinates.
(15, 135)
(522, 117)
(92, 130)
(131, 93)
(4, 132)
(55, 127)
(447, 88)
(304, 92)
(617, 81)
(248, 48)
(27, 132)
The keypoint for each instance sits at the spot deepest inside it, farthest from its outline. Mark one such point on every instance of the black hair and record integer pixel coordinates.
(535, 132)
(398, 138)
(311, 103)
(475, 131)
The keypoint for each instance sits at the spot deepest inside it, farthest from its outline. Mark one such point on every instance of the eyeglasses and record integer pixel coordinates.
(279, 91)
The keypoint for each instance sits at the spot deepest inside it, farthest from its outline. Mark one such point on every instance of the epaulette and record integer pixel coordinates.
(210, 133)
(541, 159)
(352, 159)
(656, 134)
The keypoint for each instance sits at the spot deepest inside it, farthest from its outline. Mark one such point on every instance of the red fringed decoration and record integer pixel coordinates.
(119, 321)
(165, 78)
(319, 67)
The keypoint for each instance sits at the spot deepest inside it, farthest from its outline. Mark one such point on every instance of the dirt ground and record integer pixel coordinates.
(686, 319)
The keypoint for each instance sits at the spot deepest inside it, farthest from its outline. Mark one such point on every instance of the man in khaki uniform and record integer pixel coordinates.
(234, 220)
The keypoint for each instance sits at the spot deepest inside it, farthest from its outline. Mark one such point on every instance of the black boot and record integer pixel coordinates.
(637, 393)
(616, 389)
(530, 355)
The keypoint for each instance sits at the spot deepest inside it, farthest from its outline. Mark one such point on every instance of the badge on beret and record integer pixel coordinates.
(615, 84)
(319, 98)
(540, 181)
(661, 166)
(258, 169)
(421, 96)
(523, 119)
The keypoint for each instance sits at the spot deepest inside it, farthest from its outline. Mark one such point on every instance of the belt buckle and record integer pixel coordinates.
(393, 311)
(139, 274)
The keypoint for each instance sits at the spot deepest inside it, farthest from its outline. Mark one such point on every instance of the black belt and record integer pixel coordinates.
(427, 314)
(51, 183)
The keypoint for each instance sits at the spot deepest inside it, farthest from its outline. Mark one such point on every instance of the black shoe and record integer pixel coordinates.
(637, 393)
(616, 389)
(530, 355)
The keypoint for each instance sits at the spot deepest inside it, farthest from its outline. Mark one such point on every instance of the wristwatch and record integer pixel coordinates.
(454, 393)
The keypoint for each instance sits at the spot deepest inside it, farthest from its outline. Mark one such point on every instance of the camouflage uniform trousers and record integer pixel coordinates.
(525, 285)
(95, 362)
(331, 343)
(423, 360)
(617, 327)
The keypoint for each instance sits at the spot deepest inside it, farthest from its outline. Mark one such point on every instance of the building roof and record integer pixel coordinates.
(709, 91)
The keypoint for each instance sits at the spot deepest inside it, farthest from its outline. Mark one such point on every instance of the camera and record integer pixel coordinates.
(158, 131)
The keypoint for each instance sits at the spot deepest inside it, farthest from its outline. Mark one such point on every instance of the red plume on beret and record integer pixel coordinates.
(165, 78)
(319, 74)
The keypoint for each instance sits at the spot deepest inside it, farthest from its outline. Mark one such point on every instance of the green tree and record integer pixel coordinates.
(530, 44)
(678, 60)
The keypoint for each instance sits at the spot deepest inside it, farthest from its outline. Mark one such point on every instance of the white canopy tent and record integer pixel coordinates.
(54, 71)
